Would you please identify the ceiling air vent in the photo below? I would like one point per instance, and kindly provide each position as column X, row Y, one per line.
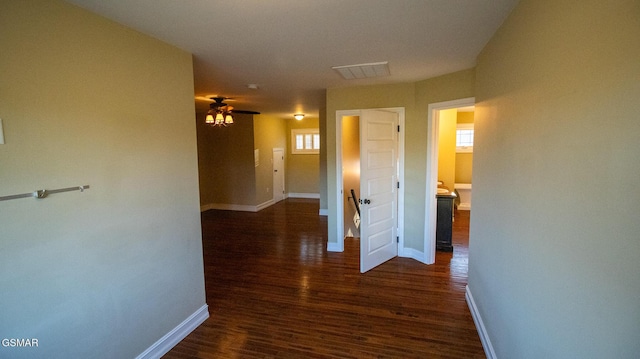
column 361, row 71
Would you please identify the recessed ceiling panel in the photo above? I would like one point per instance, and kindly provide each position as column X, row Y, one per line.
column 361, row 71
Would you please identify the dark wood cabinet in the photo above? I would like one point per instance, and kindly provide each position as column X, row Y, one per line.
column 444, row 222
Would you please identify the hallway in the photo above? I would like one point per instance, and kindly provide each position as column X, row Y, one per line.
column 275, row 292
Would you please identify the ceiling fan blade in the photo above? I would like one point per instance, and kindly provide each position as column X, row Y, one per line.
column 246, row 112
column 220, row 105
column 218, row 101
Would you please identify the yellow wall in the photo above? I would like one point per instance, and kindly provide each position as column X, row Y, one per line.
column 554, row 244
column 350, row 170
column 464, row 167
column 226, row 163
column 453, row 167
column 464, row 161
column 270, row 133
column 85, row 101
column 447, row 147
column 322, row 172
column 228, row 175
column 465, row 117
column 303, row 171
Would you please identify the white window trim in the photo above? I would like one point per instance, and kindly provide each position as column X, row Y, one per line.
column 464, row 126
column 303, row 131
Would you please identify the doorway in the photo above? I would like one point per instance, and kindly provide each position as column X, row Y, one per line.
column 433, row 125
column 381, row 195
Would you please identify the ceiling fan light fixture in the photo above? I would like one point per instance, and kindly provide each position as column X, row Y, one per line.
column 219, row 119
column 219, row 113
column 298, row 116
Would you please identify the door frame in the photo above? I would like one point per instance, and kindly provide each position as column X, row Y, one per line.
column 339, row 230
column 433, row 120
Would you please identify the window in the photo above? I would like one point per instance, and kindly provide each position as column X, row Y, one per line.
column 464, row 137
column 305, row 141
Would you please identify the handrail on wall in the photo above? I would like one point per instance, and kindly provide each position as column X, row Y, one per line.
column 355, row 201
column 42, row 193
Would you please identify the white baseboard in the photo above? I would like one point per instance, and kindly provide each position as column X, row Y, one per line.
column 464, row 207
column 229, row 207
column 261, row 206
column 304, row 195
column 334, row 247
column 237, row 207
column 482, row 331
column 171, row 339
column 264, row 205
column 206, row 207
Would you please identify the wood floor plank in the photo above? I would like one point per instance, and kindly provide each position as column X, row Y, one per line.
column 275, row 292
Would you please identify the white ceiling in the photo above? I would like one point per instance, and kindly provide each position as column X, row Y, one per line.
column 287, row 47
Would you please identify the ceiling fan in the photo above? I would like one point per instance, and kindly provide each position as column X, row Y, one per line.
column 219, row 105
column 221, row 114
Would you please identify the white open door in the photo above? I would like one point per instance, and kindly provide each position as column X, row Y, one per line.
column 378, row 187
column 278, row 174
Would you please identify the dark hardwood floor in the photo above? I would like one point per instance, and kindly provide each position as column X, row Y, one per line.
column 274, row 291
